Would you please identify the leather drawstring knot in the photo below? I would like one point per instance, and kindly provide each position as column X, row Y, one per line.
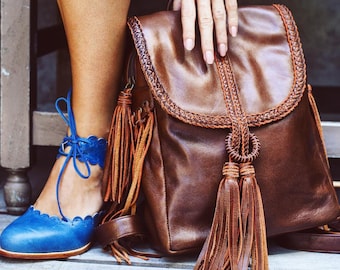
column 238, row 235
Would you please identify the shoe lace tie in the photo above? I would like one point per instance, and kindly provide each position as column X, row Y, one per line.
column 89, row 151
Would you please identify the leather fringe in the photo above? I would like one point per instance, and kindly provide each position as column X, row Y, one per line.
column 143, row 134
column 120, row 149
column 222, row 248
column 238, row 236
column 129, row 140
column 254, row 228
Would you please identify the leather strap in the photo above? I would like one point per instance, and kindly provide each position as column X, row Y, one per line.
column 326, row 239
column 119, row 228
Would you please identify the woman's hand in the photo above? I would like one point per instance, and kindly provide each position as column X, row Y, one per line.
column 212, row 18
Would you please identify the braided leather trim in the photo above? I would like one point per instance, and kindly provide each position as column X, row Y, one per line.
column 299, row 68
column 160, row 94
column 230, row 91
column 224, row 121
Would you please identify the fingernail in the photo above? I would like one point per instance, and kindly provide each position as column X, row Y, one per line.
column 233, row 31
column 222, row 49
column 209, row 57
column 189, row 44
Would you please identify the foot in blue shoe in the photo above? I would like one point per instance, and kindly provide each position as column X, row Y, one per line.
column 40, row 236
column 71, row 197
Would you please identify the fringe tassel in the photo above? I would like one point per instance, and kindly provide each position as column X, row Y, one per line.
column 223, row 245
column 129, row 140
column 238, row 235
column 121, row 147
column 143, row 130
column 253, row 220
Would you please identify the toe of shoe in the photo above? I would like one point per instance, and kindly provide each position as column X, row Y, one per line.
column 38, row 233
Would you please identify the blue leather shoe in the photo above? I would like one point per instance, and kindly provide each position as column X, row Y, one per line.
column 35, row 235
column 40, row 236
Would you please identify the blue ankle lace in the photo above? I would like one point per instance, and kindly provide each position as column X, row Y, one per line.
column 90, row 151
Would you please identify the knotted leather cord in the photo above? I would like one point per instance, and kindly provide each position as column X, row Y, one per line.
column 243, row 147
column 238, row 146
column 75, row 150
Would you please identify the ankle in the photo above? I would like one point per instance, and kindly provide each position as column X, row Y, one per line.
column 77, row 197
column 79, row 155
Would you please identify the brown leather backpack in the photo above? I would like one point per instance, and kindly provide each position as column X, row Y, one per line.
column 181, row 126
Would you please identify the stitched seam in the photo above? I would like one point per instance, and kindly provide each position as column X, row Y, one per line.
column 224, row 121
column 158, row 91
column 299, row 67
column 220, row 121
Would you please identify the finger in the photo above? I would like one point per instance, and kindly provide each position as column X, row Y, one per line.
column 176, row 5
column 232, row 16
column 220, row 21
column 188, row 16
column 205, row 23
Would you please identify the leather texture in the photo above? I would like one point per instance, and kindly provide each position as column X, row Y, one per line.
column 260, row 55
column 93, row 149
column 37, row 235
column 181, row 126
column 183, row 166
column 321, row 239
column 119, row 228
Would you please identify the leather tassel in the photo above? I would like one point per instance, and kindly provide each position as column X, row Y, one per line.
column 120, row 149
column 238, row 233
column 224, row 244
column 253, row 221
column 143, row 132
column 129, row 141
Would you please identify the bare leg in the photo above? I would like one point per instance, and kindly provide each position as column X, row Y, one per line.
column 96, row 32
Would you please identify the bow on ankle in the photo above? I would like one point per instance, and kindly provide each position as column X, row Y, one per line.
column 90, row 151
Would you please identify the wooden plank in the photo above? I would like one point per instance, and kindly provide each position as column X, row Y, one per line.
column 331, row 133
column 48, row 128
column 15, row 84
